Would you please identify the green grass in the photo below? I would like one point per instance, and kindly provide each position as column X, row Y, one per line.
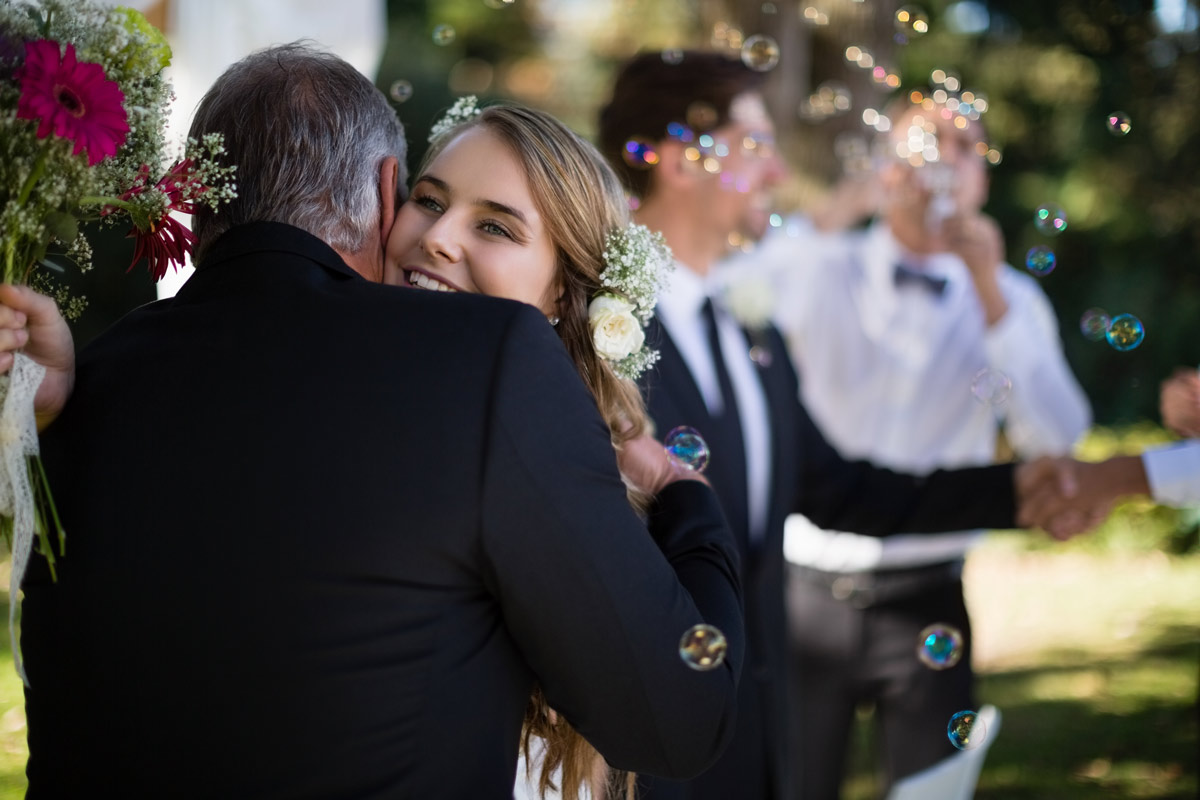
column 1093, row 660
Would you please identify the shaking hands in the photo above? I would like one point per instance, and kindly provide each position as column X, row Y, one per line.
column 1066, row 497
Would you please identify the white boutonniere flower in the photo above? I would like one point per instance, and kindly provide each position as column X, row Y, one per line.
column 616, row 332
column 751, row 301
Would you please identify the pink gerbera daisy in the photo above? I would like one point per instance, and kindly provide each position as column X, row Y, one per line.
column 74, row 100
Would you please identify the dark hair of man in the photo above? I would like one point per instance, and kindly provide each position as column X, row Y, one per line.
column 651, row 92
column 308, row 134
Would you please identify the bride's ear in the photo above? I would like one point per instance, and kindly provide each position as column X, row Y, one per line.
column 389, row 177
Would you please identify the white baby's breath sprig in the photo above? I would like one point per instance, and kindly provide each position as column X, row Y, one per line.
column 636, row 264
column 464, row 109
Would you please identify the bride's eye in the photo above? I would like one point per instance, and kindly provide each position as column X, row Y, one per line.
column 496, row 229
column 427, row 202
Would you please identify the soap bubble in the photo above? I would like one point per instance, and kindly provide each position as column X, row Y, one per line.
column 1050, row 219
column 991, row 386
column 702, row 647
column 1040, row 260
column 1094, row 323
column 639, row 153
column 401, row 90
column 672, row 57
column 912, row 21
column 760, row 52
column 940, row 646
column 687, row 447
column 966, row 731
column 1125, row 332
column 1118, row 123
column 443, row 35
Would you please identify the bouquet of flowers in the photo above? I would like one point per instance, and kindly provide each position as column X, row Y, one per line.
column 83, row 106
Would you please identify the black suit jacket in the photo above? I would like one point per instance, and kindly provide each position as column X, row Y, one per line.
column 810, row 477
column 325, row 534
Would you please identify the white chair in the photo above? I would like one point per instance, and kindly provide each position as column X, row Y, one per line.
column 952, row 778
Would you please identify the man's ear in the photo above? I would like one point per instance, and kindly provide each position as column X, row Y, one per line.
column 389, row 175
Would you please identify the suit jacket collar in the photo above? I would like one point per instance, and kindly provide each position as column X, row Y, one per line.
column 278, row 237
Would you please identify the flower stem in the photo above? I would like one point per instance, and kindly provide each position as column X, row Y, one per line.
column 49, row 500
column 35, row 174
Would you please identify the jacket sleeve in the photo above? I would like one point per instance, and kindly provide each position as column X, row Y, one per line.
column 597, row 600
column 859, row 497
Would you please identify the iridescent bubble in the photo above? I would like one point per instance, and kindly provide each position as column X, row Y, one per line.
column 760, row 52
column 686, row 447
column 966, row 731
column 940, row 646
column 991, row 386
column 498, row 3
column 672, row 57
column 1125, row 332
column 1094, row 323
column 401, row 90
column 443, row 35
column 702, row 647
column 1118, row 123
column 1040, row 260
column 701, row 116
column 681, row 132
column 640, row 153
column 1050, row 219
column 912, row 21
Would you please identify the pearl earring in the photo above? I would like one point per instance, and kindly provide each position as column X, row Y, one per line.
column 553, row 320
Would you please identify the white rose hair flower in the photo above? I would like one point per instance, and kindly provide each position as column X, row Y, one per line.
column 636, row 263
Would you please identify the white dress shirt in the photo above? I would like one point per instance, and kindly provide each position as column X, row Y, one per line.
column 886, row 372
column 679, row 312
column 1173, row 472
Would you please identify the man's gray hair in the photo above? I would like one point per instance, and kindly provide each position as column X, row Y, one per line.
column 308, row 133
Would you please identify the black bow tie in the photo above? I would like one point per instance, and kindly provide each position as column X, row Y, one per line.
column 915, row 277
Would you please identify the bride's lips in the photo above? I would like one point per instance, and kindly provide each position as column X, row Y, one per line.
column 421, row 279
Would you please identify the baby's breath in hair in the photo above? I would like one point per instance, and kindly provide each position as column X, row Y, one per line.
column 464, row 109
column 636, row 263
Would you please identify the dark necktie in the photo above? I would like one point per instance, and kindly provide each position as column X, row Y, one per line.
column 905, row 275
column 725, row 441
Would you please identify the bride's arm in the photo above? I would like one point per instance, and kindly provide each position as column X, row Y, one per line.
column 30, row 322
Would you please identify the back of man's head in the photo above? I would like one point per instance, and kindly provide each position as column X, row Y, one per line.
column 654, row 89
column 308, row 133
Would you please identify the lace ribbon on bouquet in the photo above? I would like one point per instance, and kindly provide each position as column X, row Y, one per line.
column 18, row 441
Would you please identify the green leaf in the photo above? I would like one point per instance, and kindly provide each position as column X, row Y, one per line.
column 62, row 226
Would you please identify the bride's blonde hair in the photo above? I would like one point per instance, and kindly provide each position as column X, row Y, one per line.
column 581, row 201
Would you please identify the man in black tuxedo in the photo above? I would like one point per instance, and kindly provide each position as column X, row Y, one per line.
column 704, row 116
column 325, row 534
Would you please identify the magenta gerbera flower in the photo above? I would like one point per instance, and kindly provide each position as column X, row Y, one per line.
column 74, row 100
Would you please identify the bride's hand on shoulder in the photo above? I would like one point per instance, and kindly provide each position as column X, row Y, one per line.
column 644, row 462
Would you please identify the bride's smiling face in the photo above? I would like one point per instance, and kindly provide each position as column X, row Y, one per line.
column 471, row 225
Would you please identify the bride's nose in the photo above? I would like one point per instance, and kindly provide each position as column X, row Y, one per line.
column 441, row 240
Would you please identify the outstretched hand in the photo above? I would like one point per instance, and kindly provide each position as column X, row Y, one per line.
column 1065, row 497
column 1179, row 402
column 31, row 322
